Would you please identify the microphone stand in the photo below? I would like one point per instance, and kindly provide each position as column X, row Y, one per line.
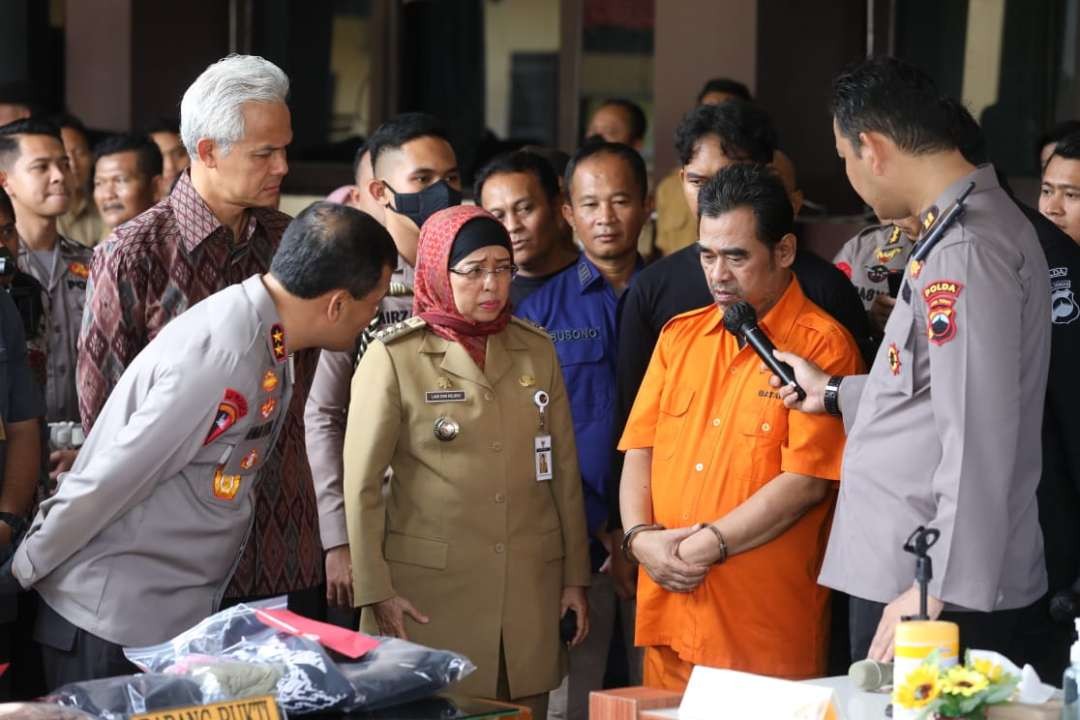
column 919, row 544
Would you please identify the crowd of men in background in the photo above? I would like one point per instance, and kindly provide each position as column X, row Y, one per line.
column 106, row 245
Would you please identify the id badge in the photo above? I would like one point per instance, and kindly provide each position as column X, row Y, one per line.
column 542, row 444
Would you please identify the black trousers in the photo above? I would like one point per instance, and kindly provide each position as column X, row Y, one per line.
column 998, row 630
column 70, row 654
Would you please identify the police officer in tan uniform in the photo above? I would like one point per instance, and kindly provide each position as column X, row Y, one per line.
column 141, row 539
column 479, row 543
column 944, row 432
column 871, row 256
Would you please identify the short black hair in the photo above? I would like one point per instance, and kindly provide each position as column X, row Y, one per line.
column 10, row 133
column 745, row 130
column 148, row 157
column 1068, row 147
column 896, row 99
column 966, row 133
column 724, row 85
column 754, row 186
column 402, row 128
column 555, row 157
column 593, row 148
column 165, row 123
column 67, row 120
column 332, row 247
column 362, row 150
column 519, row 161
column 5, row 204
column 638, row 123
column 1056, row 134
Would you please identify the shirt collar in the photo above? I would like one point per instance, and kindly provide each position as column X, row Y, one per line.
column 269, row 320
column 781, row 317
column 589, row 276
column 984, row 177
column 194, row 218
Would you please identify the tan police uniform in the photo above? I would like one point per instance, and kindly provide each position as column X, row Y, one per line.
column 140, row 540
column 327, row 408
column 465, row 531
column 869, row 257
column 64, row 281
column 945, row 430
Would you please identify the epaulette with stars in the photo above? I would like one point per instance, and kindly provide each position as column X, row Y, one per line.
column 531, row 326
column 400, row 330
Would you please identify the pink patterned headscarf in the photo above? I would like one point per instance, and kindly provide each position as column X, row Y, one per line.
column 433, row 299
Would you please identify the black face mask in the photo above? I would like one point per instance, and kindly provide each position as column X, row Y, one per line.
column 419, row 206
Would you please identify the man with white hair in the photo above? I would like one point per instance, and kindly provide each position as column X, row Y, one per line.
column 217, row 227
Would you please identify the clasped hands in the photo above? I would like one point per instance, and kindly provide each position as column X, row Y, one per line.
column 678, row 559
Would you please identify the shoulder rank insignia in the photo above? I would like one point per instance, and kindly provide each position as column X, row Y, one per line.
column 941, row 297
column 277, row 342
column 400, row 329
column 530, row 326
column 230, row 409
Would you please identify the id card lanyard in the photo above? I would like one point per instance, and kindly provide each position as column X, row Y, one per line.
column 542, row 442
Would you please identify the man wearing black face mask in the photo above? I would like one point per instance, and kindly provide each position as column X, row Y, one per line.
column 415, row 176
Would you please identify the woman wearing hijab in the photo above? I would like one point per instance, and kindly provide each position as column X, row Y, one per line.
column 478, row 544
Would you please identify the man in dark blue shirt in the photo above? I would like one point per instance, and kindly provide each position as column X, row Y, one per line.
column 606, row 190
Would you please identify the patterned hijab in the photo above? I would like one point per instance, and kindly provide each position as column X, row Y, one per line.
column 433, row 299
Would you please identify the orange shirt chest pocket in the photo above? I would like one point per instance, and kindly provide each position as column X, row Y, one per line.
column 675, row 401
column 761, row 426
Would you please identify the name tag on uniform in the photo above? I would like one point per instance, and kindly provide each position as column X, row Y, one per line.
column 444, row 396
column 543, row 457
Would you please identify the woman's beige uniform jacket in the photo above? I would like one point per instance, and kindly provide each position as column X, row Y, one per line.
column 465, row 531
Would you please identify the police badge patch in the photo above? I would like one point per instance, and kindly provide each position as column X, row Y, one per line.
column 941, row 297
column 894, row 359
column 1063, row 307
column 230, row 409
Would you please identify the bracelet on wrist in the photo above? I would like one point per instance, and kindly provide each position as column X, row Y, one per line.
column 628, row 537
column 719, row 540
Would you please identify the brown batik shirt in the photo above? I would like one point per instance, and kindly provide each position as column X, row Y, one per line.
column 146, row 273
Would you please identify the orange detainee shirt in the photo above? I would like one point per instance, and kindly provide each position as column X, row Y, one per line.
column 718, row 433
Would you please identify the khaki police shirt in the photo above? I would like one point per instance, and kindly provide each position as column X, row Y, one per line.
column 945, row 430
column 140, row 540
column 64, row 281
column 869, row 257
column 327, row 409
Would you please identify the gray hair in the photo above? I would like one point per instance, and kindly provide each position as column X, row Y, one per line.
column 211, row 107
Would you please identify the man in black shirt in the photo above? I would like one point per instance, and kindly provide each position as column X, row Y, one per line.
column 709, row 138
column 522, row 191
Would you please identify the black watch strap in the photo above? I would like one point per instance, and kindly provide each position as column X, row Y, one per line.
column 831, row 398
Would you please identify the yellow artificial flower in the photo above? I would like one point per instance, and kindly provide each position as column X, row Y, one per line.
column 960, row 680
column 992, row 672
column 919, row 688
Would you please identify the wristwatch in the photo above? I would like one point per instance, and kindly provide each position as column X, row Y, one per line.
column 16, row 523
column 831, row 399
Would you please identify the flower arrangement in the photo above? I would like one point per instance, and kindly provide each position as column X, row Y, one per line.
column 961, row 691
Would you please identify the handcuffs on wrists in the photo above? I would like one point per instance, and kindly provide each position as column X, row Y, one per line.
column 629, row 535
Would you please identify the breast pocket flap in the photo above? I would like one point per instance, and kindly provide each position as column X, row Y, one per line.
column 416, row 551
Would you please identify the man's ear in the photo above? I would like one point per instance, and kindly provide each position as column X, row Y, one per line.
column 785, row 250
column 877, row 150
column 208, row 152
column 378, row 190
column 157, row 188
column 335, row 305
column 4, row 182
column 568, row 213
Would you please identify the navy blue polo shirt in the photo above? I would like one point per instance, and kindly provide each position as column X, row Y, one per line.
column 578, row 309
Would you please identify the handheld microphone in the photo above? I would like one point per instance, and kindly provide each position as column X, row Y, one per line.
column 740, row 320
column 870, row 675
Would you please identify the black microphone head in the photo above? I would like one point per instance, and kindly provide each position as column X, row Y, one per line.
column 738, row 316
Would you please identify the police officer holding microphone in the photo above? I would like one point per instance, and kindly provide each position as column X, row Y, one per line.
column 141, row 539
column 944, row 432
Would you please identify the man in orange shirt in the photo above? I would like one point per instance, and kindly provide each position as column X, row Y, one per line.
column 718, row 472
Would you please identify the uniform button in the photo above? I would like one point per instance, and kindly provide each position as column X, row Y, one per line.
column 499, row 547
column 499, row 497
column 716, row 422
column 496, row 446
column 766, row 427
column 488, row 396
column 699, row 467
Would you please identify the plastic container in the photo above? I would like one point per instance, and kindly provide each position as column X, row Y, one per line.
column 915, row 640
column 1070, row 708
